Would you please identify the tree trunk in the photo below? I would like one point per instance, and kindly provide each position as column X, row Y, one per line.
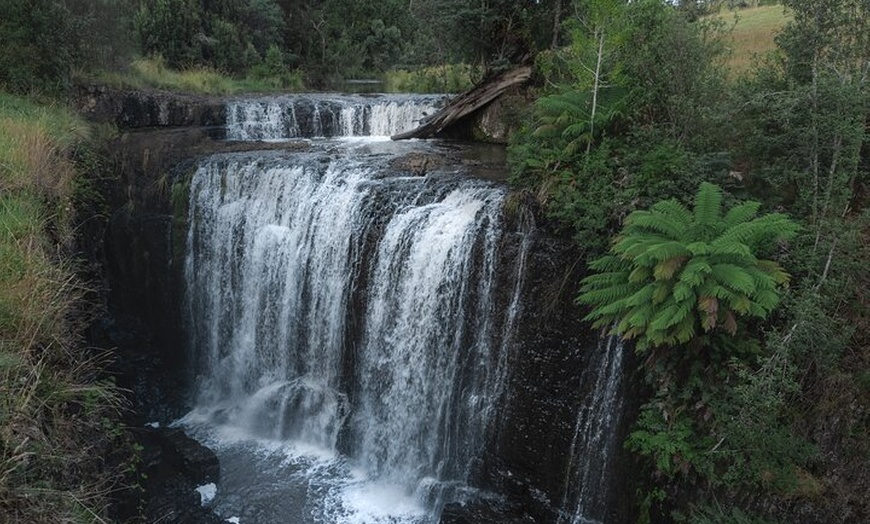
column 596, row 86
column 467, row 103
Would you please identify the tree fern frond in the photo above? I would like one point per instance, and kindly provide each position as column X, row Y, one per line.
column 699, row 248
column 657, row 222
column 741, row 213
column 740, row 303
column 602, row 280
column 729, row 323
column 683, row 291
column 667, row 317
column 662, row 251
column 776, row 272
column 733, row 277
column 775, row 226
column 695, row 271
column 633, row 246
column 640, row 316
column 610, row 263
column 731, row 248
column 685, row 330
column 661, row 291
column 675, row 211
column 665, row 269
column 708, row 307
column 767, row 299
column 642, row 296
column 576, row 129
column 708, row 204
column 607, row 295
column 639, row 275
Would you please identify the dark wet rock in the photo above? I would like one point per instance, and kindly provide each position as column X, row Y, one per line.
column 418, row 164
column 174, row 465
column 130, row 108
column 483, row 511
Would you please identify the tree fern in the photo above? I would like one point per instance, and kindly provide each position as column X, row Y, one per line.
column 673, row 273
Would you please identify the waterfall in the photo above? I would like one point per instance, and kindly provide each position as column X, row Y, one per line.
column 341, row 309
column 323, row 115
column 595, row 435
column 353, row 329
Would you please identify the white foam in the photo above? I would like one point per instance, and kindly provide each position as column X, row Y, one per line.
column 207, row 493
column 234, row 520
column 374, row 501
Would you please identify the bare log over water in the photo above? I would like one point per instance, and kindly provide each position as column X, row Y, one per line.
column 468, row 102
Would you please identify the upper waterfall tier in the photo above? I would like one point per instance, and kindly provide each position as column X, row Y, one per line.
column 327, row 115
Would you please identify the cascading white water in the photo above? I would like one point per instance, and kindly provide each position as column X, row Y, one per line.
column 320, row 115
column 340, row 310
column 595, row 435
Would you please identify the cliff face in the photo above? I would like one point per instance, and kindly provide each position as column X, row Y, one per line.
column 131, row 109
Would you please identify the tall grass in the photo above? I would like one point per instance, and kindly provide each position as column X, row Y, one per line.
column 152, row 72
column 54, row 433
column 447, row 78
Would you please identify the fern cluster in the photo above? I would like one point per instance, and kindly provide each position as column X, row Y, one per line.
column 673, row 271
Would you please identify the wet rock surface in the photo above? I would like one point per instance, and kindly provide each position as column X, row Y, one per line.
column 133, row 108
column 174, row 465
column 484, row 512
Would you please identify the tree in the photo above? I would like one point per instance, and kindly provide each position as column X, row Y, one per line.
column 169, row 28
column 673, row 272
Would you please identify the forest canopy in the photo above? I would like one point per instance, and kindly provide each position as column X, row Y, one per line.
column 44, row 42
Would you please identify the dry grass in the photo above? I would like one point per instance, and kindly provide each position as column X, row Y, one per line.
column 53, row 409
column 152, row 72
column 753, row 34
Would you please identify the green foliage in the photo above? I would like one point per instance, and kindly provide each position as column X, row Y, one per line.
column 672, row 444
column 448, row 78
column 38, row 45
column 673, row 272
column 717, row 514
column 228, row 36
column 169, row 28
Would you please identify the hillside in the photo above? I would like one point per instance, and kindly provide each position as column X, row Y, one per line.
column 752, row 33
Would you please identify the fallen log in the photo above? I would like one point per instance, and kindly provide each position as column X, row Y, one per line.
column 467, row 103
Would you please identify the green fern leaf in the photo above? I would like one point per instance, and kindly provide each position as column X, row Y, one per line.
column 657, row 222
column 660, row 252
column 708, row 204
column 733, row 277
column 699, row 248
column 741, row 213
column 665, row 269
column 674, row 211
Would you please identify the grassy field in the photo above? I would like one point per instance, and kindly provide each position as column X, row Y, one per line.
column 753, row 34
column 55, row 415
